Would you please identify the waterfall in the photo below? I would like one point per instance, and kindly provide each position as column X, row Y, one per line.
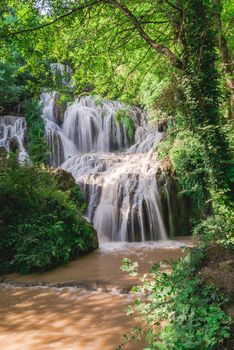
column 60, row 146
column 13, row 135
column 92, row 127
column 116, row 173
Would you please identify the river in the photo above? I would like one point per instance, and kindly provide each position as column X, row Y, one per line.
column 80, row 306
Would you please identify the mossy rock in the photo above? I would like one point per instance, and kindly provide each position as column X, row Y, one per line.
column 65, row 180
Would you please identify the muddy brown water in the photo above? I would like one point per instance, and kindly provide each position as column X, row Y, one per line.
column 81, row 306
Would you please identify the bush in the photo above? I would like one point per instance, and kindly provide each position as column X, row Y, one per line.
column 218, row 228
column 188, row 158
column 10, row 91
column 37, row 146
column 180, row 310
column 41, row 226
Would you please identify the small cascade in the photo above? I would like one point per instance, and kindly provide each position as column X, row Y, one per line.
column 92, row 127
column 117, row 175
column 122, row 194
column 145, row 139
column 60, row 146
column 13, row 135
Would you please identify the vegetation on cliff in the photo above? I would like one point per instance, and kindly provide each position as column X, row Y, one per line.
column 36, row 144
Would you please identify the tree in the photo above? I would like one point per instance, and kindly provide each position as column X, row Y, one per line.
column 112, row 37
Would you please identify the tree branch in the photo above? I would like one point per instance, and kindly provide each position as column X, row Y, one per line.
column 136, row 23
column 177, row 8
column 81, row 7
column 159, row 48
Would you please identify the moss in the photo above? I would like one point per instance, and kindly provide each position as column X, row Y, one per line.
column 122, row 116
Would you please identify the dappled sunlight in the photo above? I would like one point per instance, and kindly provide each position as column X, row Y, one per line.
column 63, row 316
column 37, row 318
column 100, row 270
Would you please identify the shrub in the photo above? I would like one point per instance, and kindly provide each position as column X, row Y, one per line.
column 41, row 226
column 37, row 146
column 180, row 310
column 10, row 91
column 188, row 158
column 218, row 228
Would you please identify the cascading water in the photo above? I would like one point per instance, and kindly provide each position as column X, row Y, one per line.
column 117, row 174
column 60, row 147
column 13, row 135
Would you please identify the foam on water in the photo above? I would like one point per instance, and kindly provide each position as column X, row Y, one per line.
column 134, row 247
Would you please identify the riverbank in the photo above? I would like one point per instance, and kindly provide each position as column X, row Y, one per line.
column 100, row 270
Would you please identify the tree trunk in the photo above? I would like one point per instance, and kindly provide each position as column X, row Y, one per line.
column 226, row 59
column 201, row 86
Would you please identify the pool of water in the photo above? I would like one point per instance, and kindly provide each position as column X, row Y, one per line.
column 80, row 306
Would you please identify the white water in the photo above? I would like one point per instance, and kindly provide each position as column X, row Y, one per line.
column 12, row 135
column 139, row 247
column 118, row 175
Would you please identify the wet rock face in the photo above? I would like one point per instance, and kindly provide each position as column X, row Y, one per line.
column 58, row 109
column 176, row 208
column 57, row 114
column 56, row 156
column 162, row 126
column 14, row 144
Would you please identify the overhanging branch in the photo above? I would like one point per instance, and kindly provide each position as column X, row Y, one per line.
column 157, row 47
column 57, row 19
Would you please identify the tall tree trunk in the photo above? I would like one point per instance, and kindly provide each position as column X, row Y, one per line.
column 201, row 85
column 226, row 59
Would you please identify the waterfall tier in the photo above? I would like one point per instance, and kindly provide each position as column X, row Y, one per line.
column 116, row 173
column 13, row 135
column 122, row 194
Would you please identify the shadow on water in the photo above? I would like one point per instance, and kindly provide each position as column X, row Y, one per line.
column 45, row 318
column 101, row 267
column 68, row 318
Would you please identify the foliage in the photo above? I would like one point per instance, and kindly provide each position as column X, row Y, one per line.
column 180, row 310
column 122, row 116
column 62, row 102
column 41, row 226
column 64, row 99
column 228, row 130
column 37, row 146
column 218, row 228
column 10, row 91
column 202, row 91
column 98, row 100
column 77, row 196
column 188, row 158
column 97, row 48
